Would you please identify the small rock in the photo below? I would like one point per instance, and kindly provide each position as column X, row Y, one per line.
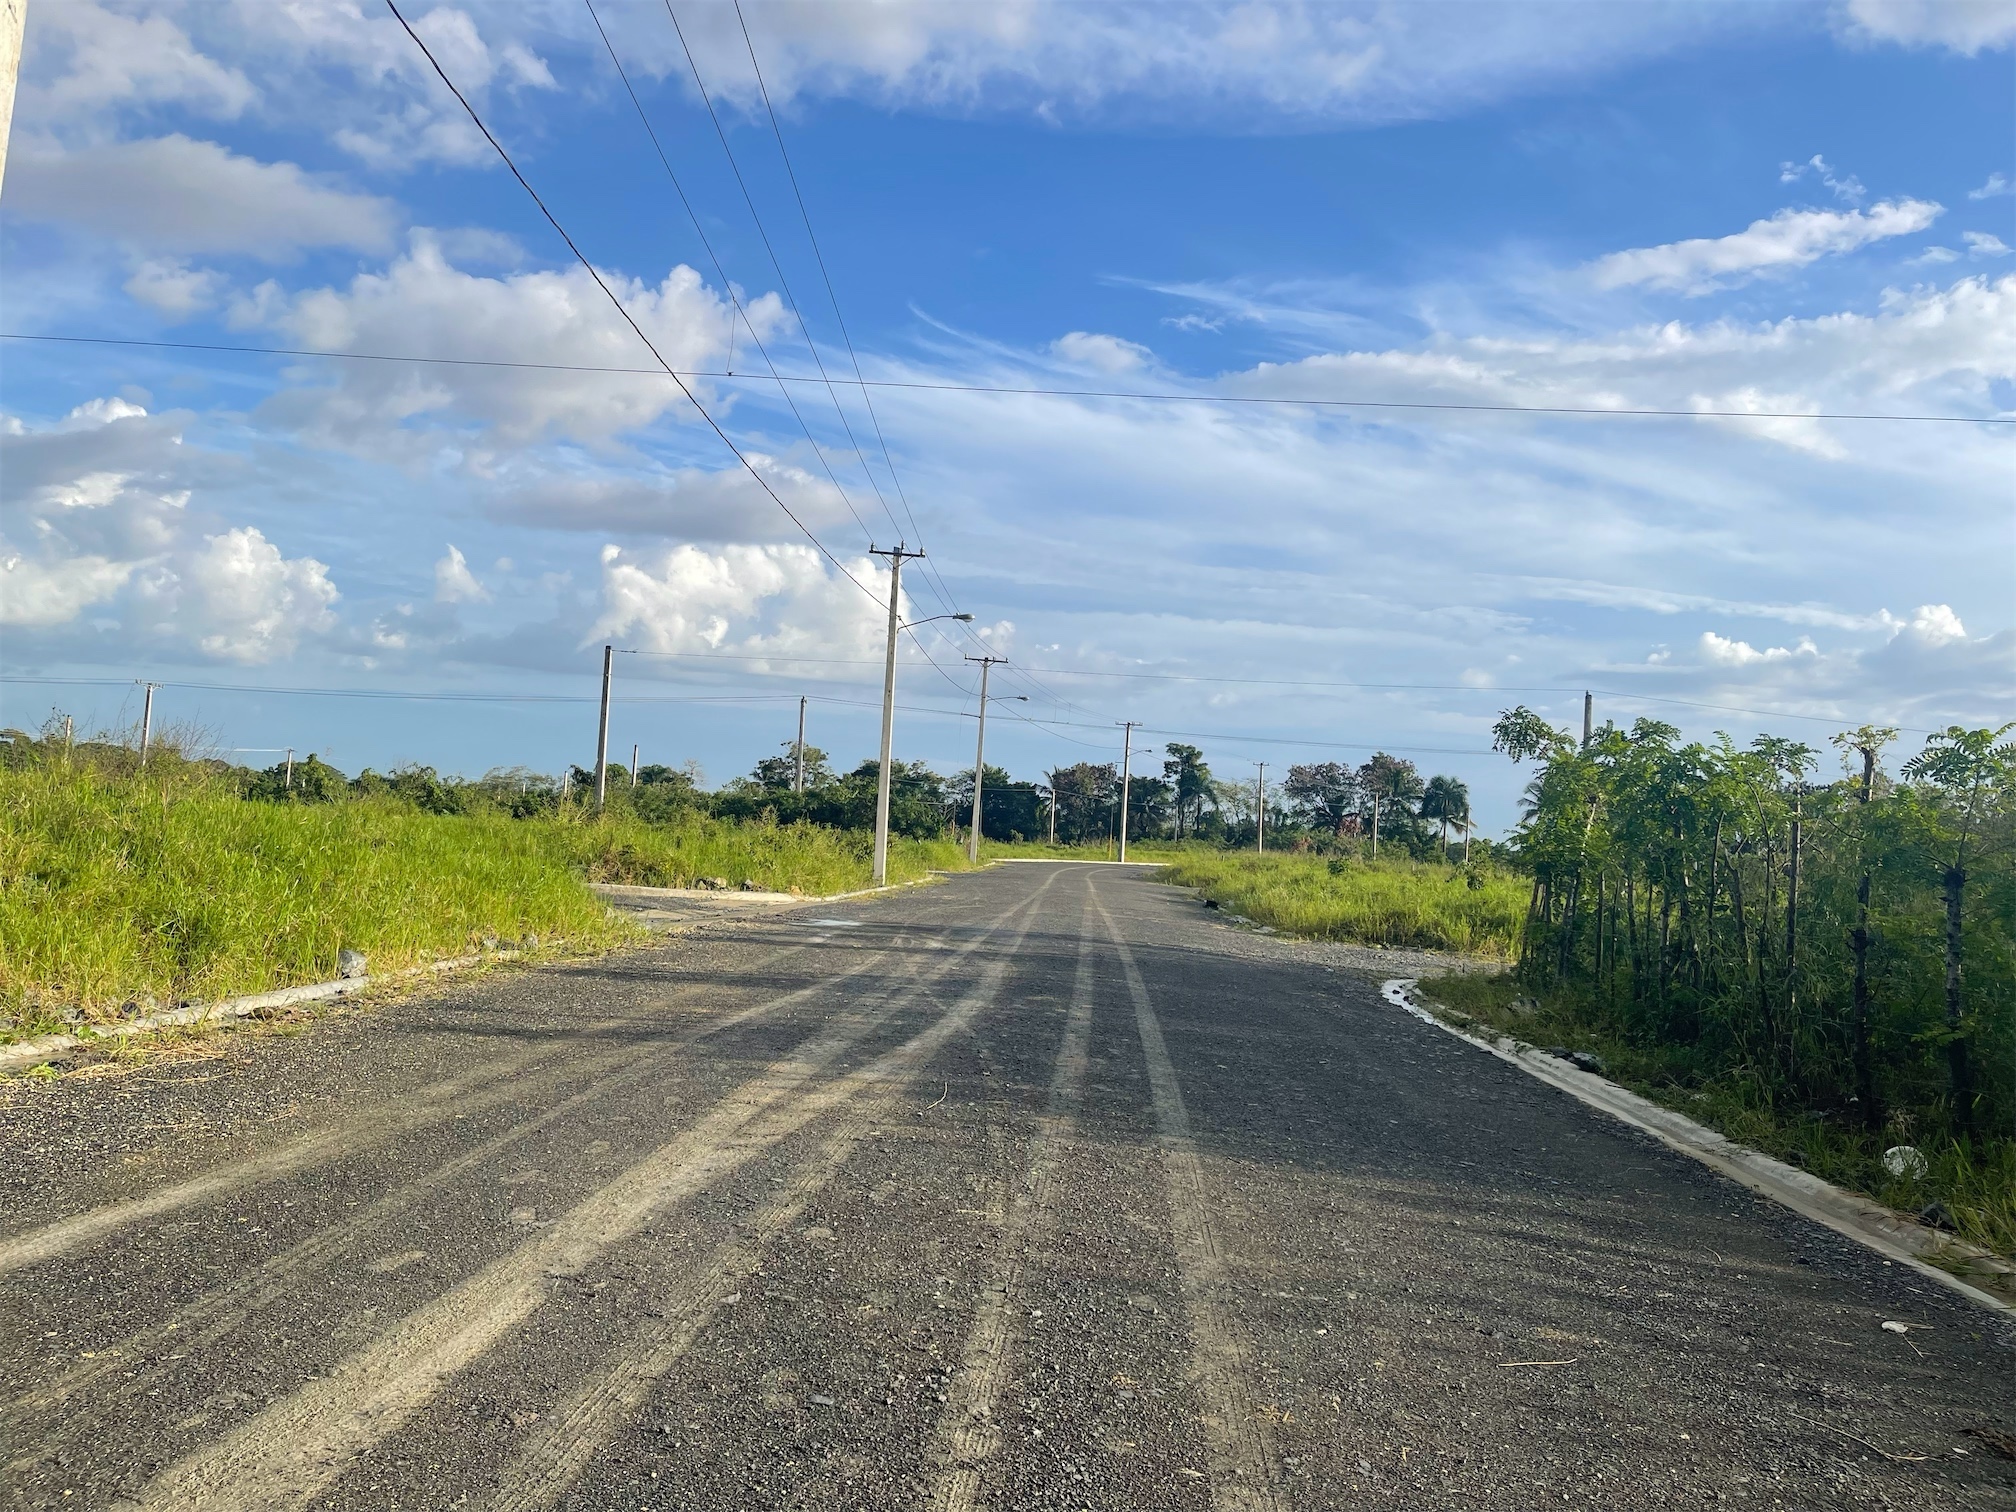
column 1905, row 1161
column 1210, row 902
column 489, row 942
column 1587, row 1061
column 748, row 886
column 1896, row 1328
column 1937, row 1215
column 351, row 964
column 530, row 942
column 823, row 1401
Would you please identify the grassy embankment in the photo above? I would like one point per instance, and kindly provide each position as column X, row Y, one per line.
column 1394, row 903
column 116, row 889
column 1977, row 1183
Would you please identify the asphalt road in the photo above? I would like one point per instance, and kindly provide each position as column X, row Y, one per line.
column 1042, row 1188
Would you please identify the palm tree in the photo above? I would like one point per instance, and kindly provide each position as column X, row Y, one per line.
column 1447, row 801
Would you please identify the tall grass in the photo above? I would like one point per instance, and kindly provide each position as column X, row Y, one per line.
column 1407, row 903
column 117, row 887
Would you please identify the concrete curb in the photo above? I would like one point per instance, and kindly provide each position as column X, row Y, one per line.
column 1892, row 1236
column 36, row 1051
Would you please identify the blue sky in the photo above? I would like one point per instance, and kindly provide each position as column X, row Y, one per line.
column 1799, row 208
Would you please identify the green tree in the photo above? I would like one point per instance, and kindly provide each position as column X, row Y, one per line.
column 1190, row 785
column 1969, row 775
column 1447, row 801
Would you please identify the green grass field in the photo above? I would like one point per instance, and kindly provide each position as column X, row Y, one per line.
column 1412, row 903
column 118, row 889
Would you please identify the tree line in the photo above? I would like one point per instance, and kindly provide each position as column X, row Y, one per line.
column 1845, row 944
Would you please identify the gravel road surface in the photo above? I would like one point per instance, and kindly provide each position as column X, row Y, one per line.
column 1043, row 1188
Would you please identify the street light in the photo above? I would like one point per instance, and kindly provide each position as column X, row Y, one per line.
column 896, row 559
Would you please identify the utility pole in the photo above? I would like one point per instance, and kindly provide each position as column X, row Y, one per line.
column 69, row 734
column 798, row 780
column 287, row 785
column 1126, row 781
column 1260, row 811
column 1053, row 808
column 602, row 730
column 1588, row 718
column 146, row 722
column 634, row 753
column 1375, row 826
column 987, row 664
column 897, row 557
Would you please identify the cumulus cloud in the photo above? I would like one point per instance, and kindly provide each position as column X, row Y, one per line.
column 755, row 600
column 91, row 525
column 1724, row 652
column 178, row 196
column 1964, row 26
column 1789, row 239
column 454, row 583
column 174, row 288
column 423, row 303
column 1102, row 354
column 83, row 58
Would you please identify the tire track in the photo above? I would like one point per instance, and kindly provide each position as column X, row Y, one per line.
column 1246, row 1475
column 968, row 1434
column 226, row 1307
column 286, row 1454
column 564, row 1444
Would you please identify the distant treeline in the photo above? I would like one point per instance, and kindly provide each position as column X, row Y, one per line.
column 1847, row 946
column 1324, row 806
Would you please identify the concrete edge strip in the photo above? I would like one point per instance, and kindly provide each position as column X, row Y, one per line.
column 1858, row 1218
column 34, row 1052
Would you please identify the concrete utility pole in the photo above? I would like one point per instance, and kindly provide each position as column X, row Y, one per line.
column 1588, row 718
column 798, row 781
column 1375, row 826
column 287, row 785
column 634, row 753
column 602, row 730
column 1126, row 780
column 13, row 20
column 1260, row 811
column 897, row 557
column 987, row 664
column 1053, row 808
column 146, row 722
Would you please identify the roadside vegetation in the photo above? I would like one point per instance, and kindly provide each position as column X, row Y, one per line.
column 1423, row 904
column 1825, row 970
column 123, row 889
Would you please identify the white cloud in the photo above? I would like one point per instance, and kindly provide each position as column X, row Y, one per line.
column 1735, row 653
column 1936, row 625
column 178, row 196
column 754, row 600
column 91, row 524
column 1103, row 354
column 1932, row 257
column 174, row 288
column 1982, row 244
column 1789, row 239
column 686, row 504
column 454, row 583
column 1998, row 184
column 1964, row 26
column 239, row 598
column 1846, row 187
column 83, row 58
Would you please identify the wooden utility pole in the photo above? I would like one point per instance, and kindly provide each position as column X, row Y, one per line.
column 602, row 730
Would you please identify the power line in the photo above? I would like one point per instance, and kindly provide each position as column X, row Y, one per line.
column 582, row 258
column 803, row 325
column 727, row 287
column 1591, row 411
